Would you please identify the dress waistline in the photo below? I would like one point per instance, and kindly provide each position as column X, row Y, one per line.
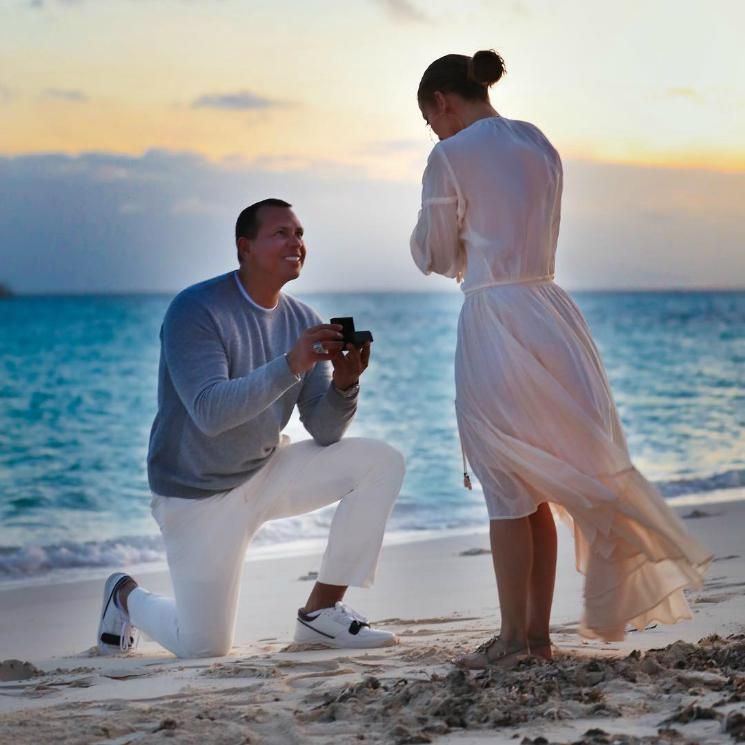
column 508, row 282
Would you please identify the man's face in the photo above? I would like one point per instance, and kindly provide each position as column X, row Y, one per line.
column 278, row 249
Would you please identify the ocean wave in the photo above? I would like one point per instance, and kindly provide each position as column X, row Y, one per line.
column 26, row 561
column 733, row 479
column 20, row 562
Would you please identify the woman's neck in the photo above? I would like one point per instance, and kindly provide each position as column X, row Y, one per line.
column 471, row 113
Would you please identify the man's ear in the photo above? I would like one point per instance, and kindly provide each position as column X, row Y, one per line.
column 244, row 246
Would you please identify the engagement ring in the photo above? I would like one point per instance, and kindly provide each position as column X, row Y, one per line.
column 318, row 348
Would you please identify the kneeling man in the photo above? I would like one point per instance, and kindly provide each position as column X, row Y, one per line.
column 237, row 355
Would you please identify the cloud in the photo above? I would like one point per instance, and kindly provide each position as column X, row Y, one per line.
column 321, row 168
column 520, row 9
column 403, row 10
column 239, row 101
column 628, row 226
column 387, row 147
column 66, row 95
column 396, row 156
column 161, row 221
column 689, row 93
column 40, row 4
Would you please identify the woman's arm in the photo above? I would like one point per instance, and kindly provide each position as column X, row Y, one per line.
column 435, row 243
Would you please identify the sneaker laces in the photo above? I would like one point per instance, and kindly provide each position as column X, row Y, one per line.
column 349, row 612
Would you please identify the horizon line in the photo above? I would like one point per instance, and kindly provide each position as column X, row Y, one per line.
column 375, row 291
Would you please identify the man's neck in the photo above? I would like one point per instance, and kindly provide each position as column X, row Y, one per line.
column 261, row 290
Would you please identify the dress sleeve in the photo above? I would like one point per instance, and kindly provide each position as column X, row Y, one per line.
column 436, row 245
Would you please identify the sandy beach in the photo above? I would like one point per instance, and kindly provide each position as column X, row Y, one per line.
column 684, row 683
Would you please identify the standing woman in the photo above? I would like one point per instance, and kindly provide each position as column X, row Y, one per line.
column 535, row 413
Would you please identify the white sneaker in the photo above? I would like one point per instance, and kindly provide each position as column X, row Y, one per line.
column 340, row 627
column 115, row 633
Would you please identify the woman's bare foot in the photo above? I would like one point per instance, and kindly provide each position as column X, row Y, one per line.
column 541, row 648
column 492, row 653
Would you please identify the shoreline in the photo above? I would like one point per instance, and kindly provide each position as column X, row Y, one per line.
column 266, row 552
column 310, row 547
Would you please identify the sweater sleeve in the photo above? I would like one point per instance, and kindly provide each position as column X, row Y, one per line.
column 198, row 365
column 435, row 242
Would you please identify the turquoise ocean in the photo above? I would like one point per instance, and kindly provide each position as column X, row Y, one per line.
column 77, row 398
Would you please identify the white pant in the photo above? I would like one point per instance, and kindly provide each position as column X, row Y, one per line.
column 206, row 539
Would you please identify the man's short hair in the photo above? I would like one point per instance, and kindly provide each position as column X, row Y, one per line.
column 247, row 225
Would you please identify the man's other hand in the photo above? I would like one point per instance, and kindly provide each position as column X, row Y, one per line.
column 348, row 367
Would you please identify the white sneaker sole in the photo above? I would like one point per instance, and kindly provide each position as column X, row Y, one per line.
column 308, row 635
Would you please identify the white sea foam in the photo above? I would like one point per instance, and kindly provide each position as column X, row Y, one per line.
column 303, row 534
column 733, row 479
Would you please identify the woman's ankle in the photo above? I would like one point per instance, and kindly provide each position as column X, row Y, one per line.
column 539, row 634
column 513, row 643
column 541, row 647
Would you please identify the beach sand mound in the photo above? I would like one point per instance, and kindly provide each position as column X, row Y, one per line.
column 570, row 688
column 17, row 670
column 678, row 694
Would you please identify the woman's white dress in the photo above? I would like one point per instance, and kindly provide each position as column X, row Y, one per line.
column 535, row 412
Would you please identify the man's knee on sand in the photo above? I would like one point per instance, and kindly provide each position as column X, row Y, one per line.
column 205, row 642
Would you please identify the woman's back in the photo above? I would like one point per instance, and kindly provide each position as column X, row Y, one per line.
column 509, row 179
column 535, row 412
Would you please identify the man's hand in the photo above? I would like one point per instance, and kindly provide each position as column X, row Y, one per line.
column 302, row 356
column 348, row 367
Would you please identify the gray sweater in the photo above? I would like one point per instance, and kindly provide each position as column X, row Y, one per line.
column 225, row 391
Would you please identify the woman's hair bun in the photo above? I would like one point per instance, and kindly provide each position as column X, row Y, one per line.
column 486, row 67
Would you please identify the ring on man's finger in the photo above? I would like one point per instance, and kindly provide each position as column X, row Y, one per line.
column 318, row 348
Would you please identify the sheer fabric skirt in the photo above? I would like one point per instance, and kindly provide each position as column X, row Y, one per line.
column 538, row 424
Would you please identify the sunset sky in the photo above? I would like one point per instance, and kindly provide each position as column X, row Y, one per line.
column 130, row 127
